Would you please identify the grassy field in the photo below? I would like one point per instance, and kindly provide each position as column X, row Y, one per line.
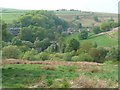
column 101, row 40
column 60, row 76
column 10, row 17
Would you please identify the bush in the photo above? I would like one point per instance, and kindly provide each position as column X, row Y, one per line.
column 30, row 55
column 113, row 54
column 75, row 58
column 96, row 29
column 42, row 56
column 98, row 54
column 24, row 48
column 73, row 44
column 28, row 43
column 57, row 56
column 11, row 52
column 86, row 46
column 67, row 56
column 83, row 35
column 85, row 57
column 4, row 44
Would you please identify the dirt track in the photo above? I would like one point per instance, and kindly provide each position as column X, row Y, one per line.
column 66, row 63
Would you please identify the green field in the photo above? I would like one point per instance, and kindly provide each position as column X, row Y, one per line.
column 25, row 75
column 102, row 40
column 10, row 17
column 28, row 75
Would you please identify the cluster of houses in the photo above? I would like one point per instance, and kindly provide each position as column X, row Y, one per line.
column 15, row 30
column 70, row 31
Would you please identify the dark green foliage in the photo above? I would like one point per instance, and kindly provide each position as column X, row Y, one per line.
column 26, row 34
column 83, row 35
column 51, row 48
column 96, row 29
column 45, row 43
column 39, row 32
column 43, row 19
column 16, row 41
column 6, row 35
column 73, row 44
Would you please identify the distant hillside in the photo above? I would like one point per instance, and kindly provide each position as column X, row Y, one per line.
column 74, row 17
column 11, row 10
column 84, row 17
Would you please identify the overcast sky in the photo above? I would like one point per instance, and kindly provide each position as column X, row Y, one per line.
column 84, row 5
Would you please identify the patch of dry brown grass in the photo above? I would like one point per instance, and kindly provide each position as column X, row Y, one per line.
column 86, row 82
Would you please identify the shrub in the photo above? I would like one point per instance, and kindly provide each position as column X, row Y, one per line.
column 96, row 29
column 113, row 54
column 98, row 54
column 67, row 56
column 86, row 46
column 83, row 35
column 42, row 56
column 28, row 43
column 75, row 58
column 4, row 44
column 85, row 57
column 57, row 56
column 24, row 48
column 11, row 52
column 73, row 44
column 30, row 55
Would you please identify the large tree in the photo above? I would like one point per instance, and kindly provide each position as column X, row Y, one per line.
column 73, row 44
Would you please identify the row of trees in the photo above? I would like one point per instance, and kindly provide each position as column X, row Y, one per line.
column 83, row 52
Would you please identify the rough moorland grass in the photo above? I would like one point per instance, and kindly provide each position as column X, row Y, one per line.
column 16, row 76
column 106, row 74
column 27, row 75
column 102, row 40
